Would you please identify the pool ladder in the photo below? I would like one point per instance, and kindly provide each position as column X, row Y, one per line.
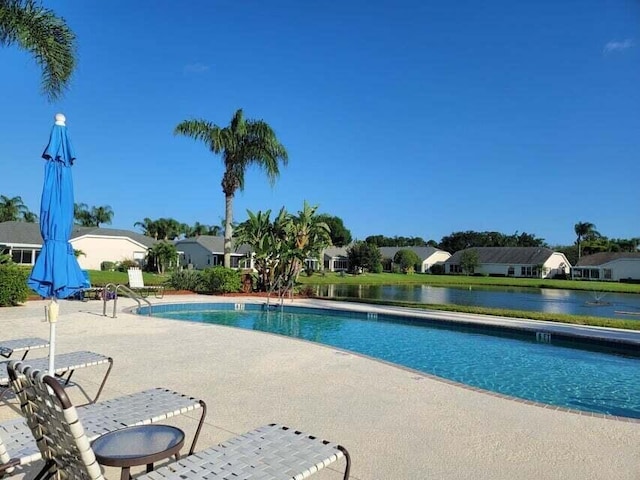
column 114, row 289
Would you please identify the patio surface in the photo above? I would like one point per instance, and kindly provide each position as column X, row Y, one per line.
column 396, row 423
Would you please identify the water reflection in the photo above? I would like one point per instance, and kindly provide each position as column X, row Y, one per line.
column 546, row 300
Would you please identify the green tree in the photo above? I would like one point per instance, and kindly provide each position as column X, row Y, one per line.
column 44, row 35
column 149, row 227
column 242, row 143
column 258, row 232
column 407, row 260
column 161, row 228
column 340, row 235
column 469, row 261
column 102, row 214
column 163, row 255
column 82, row 214
column 582, row 230
column 309, row 236
column 13, row 209
column 280, row 247
column 364, row 256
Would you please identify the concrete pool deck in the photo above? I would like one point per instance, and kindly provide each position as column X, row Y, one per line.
column 395, row 422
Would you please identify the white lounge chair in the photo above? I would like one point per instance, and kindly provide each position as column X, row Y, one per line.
column 136, row 283
column 270, row 452
column 65, row 365
column 9, row 347
column 18, row 446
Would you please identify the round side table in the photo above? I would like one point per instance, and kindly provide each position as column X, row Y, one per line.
column 133, row 446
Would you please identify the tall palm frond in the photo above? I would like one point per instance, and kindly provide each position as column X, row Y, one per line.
column 242, row 143
column 44, row 35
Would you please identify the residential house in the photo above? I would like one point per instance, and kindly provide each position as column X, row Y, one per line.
column 207, row 251
column 23, row 242
column 615, row 266
column 428, row 256
column 335, row 259
column 537, row 262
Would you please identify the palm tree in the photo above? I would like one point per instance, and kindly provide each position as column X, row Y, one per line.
column 149, row 227
column 82, row 214
column 103, row 214
column 46, row 36
column 242, row 143
column 583, row 229
column 12, row 209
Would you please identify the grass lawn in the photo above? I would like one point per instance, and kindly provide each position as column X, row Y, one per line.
column 100, row 278
column 463, row 280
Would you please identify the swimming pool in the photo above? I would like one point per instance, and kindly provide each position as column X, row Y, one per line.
column 508, row 362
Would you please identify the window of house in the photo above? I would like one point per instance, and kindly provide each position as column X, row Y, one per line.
column 340, row 264
column 511, row 271
column 528, row 271
column 19, row 255
column 607, row 274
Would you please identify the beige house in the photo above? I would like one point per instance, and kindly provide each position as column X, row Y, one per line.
column 539, row 262
column 614, row 266
column 23, row 242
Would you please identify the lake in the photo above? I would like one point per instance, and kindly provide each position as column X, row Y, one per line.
column 573, row 302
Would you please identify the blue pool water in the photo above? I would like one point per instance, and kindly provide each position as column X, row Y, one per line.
column 510, row 363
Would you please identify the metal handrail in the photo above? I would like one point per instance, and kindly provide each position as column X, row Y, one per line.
column 127, row 291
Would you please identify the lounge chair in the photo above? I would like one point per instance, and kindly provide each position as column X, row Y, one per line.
column 65, row 365
column 18, row 446
column 136, row 283
column 88, row 292
column 9, row 347
column 270, row 452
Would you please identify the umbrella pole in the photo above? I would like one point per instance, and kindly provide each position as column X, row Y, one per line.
column 52, row 317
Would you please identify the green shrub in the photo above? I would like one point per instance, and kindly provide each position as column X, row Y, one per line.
column 126, row 264
column 221, row 280
column 13, row 285
column 186, row 280
column 107, row 266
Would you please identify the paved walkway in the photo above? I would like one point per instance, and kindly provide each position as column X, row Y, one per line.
column 397, row 424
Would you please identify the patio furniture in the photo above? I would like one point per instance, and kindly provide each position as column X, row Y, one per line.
column 66, row 364
column 88, row 292
column 141, row 445
column 269, row 452
column 136, row 283
column 18, row 446
column 9, row 347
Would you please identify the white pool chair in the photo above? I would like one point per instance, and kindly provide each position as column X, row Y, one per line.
column 18, row 446
column 270, row 452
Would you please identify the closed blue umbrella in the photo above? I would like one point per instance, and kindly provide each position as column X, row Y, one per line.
column 56, row 273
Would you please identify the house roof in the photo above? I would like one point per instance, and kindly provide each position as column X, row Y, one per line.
column 214, row 244
column 507, row 255
column 29, row 233
column 605, row 257
column 333, row 252
column 422, row 252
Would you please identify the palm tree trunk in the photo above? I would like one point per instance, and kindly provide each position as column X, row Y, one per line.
column 228, row 231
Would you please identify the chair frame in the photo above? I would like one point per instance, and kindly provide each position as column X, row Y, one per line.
column 64, row 372
column 171, row 404
column 144, row 290
column 264, row 452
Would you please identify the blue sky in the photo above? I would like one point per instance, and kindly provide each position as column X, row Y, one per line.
column 409, row 118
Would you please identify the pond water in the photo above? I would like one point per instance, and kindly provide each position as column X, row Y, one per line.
column 574, row 302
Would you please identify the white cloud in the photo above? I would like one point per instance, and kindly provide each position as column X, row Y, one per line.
column 615, row 46
column 196, row 68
